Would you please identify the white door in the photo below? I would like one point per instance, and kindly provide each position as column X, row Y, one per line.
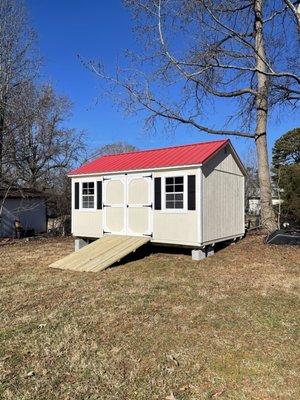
column 139, row 205
column 114, row 204
column 127, row 204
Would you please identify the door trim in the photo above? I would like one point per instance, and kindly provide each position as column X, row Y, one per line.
column 106, row 180
column 149, row 204
column 126, row 179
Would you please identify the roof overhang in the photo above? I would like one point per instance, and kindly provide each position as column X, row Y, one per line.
column 237, row 159
column 135, row 171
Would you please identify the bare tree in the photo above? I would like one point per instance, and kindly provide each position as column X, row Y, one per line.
column 198, row 52
column 18, row 60
column 114, row 148
column 36, row 149
column 41, row 146
column 59, row 203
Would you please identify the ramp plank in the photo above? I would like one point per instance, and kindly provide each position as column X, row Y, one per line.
column 101, row 253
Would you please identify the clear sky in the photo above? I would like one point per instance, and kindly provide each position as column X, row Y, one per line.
column 102, row 30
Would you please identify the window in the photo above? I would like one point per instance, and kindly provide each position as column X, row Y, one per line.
column 88, row 195
column 174, row 192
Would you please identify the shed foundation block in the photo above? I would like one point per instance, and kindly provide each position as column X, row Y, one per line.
column 198, row 254
column 80, row 243
column 210, row 251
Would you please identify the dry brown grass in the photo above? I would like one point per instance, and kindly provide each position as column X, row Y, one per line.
column 225, row 327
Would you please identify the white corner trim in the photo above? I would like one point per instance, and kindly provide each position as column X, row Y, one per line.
column 199, row 204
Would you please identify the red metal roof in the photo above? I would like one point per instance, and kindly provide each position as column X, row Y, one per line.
column 190, row 154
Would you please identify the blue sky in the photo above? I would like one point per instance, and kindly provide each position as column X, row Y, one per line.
column 102, row 30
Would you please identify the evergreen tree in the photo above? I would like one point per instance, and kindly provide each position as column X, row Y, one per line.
column 286, row 162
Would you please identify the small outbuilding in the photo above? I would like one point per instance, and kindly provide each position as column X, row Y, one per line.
column 254, row 203
column 22, row 212
column 191, row 195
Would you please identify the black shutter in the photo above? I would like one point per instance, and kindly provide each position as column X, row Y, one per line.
column 157, row 193
column 191, row 192
column 76, row 195
column 99, row 195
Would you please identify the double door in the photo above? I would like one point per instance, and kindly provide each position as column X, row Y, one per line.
column 127, row 204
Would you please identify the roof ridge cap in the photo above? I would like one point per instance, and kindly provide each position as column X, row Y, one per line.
column 161, row 148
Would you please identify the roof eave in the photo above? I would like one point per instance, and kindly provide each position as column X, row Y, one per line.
column 134, row 170
column 238, row 160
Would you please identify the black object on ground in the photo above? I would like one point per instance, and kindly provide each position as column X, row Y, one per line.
column 282, row 236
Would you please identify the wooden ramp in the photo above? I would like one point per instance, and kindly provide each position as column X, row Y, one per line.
column 101, row 253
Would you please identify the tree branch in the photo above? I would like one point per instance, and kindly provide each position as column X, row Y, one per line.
column 295, row 8
column 159, row 109
column 191, row 77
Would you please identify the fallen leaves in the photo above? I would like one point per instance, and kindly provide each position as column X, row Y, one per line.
column 218, row 393
column 173, row 359
column 171, row 397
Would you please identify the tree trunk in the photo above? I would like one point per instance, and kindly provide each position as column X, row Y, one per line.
column 267, row 211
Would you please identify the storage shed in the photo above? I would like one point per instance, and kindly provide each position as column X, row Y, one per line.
column 28, row 206
column 191, row 195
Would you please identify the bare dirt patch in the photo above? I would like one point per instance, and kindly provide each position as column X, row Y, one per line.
column 225, row 327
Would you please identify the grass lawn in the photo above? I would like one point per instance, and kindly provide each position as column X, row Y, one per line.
column 159, row 327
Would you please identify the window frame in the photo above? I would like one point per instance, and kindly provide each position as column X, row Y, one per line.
column 164, row 193
column 84, row 209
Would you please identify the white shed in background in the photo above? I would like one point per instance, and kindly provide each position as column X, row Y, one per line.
column 190, row 195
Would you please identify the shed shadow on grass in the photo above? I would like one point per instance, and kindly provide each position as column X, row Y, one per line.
column 172, row 250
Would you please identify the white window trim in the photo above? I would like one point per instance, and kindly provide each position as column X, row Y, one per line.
column 95, row 196
column 183, row 210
